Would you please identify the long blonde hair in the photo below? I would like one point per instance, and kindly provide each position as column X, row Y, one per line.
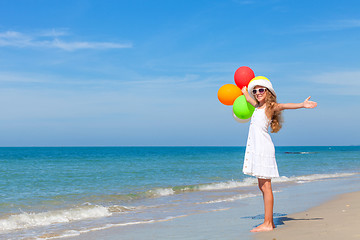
column 276, row 119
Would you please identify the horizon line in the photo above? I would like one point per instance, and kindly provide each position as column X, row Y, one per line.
column 89, row 146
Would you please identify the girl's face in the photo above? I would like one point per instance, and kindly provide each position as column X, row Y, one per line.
column 260, row 94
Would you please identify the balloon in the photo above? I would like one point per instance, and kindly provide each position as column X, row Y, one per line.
column 228, row 93
column 243, row 75
column 259, row 77
column 239, row 119
column 242, row 109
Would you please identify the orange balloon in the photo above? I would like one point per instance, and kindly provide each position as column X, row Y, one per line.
column 228, row 93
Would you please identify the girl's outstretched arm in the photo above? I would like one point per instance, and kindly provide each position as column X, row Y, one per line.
column 305, row 104
column 247, row 96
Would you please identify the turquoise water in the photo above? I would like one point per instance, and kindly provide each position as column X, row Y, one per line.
column 65, row 191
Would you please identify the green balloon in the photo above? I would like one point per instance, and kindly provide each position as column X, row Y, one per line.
column 242, row 109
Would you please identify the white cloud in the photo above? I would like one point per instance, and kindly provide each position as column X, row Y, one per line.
column 22, row 80
column 244, row 2
column 332, row 26
column 10, row 77
column 350, row 78
column 54, row 33
column 50, row 39
column 71, row 46
column 339, row 83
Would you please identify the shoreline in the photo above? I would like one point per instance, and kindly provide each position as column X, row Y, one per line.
column 234, row 220
column 334, row 219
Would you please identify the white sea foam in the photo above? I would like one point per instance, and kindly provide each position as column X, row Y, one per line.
column 310, row 178
column 28, row 220
column 253, row 181
column 160, row 192
column 231, row 199
column 300, row 152
column 118, row 208
column 125, row 209
column 228, row 185
column 72, row 233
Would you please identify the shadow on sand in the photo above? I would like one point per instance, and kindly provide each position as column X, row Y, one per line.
column 280, row 218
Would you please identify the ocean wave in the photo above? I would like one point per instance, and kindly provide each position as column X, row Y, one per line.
column 159, row 192
column 310, row 178
column 120, row 209
column 28, row 220
column 73, row 233
column 87, row 211
column 227, row 185
column 247, row 182
column 230, row 199
column 215, row 186
column 234, row 198
column 300, row 152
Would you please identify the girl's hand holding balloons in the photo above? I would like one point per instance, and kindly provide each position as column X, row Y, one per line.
column 244, row 90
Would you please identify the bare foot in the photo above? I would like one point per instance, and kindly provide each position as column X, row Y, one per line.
column 263, row 228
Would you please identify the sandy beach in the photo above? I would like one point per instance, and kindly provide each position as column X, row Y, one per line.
column 335, row 219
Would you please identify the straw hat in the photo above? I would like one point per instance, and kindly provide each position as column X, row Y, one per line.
column 260, row 81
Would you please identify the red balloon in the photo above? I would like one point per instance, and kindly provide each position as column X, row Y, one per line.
column 243, row 76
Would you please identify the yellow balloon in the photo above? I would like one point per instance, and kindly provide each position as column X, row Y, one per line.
column 257, row 78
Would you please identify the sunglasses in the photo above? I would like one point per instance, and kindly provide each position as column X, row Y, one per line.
column 260, row 90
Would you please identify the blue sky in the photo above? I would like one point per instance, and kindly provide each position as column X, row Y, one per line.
column 130, row 73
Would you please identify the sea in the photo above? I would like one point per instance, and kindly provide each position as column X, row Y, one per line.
column 61, row 192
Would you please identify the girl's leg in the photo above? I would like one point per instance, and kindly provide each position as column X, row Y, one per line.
column 265, row 187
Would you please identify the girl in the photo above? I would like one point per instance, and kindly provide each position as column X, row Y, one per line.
column 260, row 152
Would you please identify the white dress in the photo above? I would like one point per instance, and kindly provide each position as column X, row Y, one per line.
column 260, row 151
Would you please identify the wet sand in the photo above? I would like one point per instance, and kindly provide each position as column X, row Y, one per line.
column 338, row 218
